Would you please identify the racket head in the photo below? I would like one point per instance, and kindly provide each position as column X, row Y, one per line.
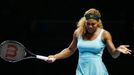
column 12, row 51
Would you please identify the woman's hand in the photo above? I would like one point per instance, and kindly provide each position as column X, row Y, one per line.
column 51, row 59
column 123, row 49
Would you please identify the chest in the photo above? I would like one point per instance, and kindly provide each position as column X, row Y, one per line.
column 90, row 37
column 94, row 46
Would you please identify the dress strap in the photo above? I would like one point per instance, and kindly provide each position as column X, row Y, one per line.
column 100, row 34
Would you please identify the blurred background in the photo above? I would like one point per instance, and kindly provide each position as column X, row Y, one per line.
column 46, row 27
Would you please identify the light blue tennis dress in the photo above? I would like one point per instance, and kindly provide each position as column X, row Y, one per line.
column 90, row 56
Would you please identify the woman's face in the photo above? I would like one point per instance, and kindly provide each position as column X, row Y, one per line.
column 91, row 25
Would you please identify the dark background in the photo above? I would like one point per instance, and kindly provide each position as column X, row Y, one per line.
column 46, row 27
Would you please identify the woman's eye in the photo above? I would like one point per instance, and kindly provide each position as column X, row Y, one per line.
column 88, row 23
column 93, row 24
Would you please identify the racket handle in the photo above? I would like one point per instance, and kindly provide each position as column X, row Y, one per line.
column 42, row 57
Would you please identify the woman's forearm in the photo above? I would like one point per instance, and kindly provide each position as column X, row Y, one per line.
column 63, row 54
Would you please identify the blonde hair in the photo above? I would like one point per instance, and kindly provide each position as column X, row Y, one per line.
column 81, row 30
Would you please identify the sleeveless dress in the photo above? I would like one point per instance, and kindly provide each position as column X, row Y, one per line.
column 90, row 56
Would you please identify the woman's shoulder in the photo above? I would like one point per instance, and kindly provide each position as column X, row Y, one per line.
column 106, row 34
column 76, row 31
column 76, row 34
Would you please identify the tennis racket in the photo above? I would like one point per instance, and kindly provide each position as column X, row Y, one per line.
column 14, row 51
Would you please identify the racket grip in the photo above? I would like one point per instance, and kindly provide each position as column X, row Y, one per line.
column 42, row 57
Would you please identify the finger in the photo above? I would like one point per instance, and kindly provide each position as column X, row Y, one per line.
column 51, row 59
column 126, row 45
column 128, row 52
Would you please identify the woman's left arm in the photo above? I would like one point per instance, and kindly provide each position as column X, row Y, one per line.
column 115, row 52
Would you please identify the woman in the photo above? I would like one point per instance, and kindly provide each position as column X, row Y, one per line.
column 90, row 38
